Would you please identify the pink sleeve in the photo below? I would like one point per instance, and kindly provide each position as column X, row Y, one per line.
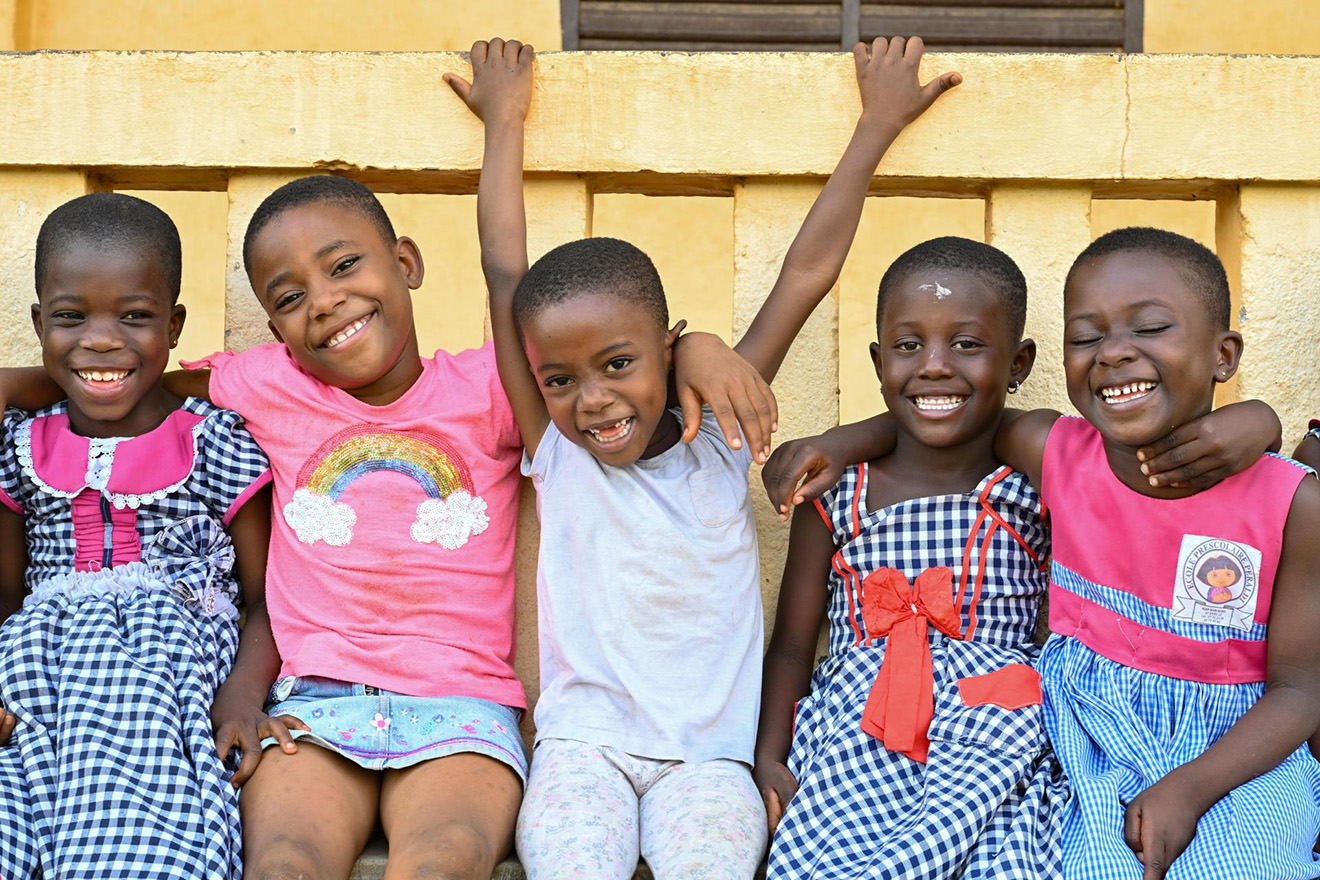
column 240, row 380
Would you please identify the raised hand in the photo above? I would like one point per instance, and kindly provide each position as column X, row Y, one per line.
column 501, row 87
column 887, row 72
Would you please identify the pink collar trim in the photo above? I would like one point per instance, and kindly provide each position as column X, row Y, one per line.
column 157, row 461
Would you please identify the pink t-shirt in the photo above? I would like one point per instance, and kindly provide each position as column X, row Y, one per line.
column 391, row 557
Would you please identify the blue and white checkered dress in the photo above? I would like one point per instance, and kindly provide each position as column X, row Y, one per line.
column 112, row 770
column 986, row 803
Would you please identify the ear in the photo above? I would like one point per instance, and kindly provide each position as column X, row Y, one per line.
column 177, row 316
column 1230, row 355
column 875, row 359
column 1023, row 360
column 36, row 320
column 670, row 338
column 410, row 261
column 274, row 332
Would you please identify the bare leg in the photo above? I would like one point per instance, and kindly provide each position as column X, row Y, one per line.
column 306, row 815
column 449, row 817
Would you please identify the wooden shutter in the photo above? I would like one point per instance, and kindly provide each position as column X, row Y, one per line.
column 831, row 25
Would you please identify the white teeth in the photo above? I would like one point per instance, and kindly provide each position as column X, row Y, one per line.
column 939, row 403
column 103, row 375
column 1115, row 392
column 348, row 331
column 618, row 426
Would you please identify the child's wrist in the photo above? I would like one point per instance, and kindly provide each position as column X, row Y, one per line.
column 879, row 123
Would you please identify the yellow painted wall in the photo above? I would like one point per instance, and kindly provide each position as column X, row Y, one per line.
column 321, row 25
column 1275, row 26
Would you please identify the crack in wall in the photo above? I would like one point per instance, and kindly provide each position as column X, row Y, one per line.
column 1127, row 116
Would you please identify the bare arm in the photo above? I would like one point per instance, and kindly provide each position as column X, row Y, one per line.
column 892, row 97
column 1020, row 440
column 237, row 713
column 500, row 95
column 188, row 383
column 1161, row 821
column 13, row 564
column 800, row 470
column 28, row 388
column 790, row 657
column 1308, row 452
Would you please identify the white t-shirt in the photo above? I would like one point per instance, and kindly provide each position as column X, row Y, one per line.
column 649, row 595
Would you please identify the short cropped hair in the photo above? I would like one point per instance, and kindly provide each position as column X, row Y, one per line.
column 593, row 265
column 992, row 266
column 112, row 220
column 1197, row 264
column 317, row 189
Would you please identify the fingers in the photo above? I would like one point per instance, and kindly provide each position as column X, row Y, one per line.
column 480, row 49
column 526, row 54
column 251, row 746
column 1132, row 827
column 461, row 87
column 774, row 810
column 691, row 406
column 816, row 484
column 931, row 91
column 510, row 55
column 915, row 46
column 727, row 417
column 780, row 478
column 860, row 58
column 896, row 47
column 1153, row 856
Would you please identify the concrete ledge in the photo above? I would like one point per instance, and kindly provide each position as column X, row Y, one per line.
column 1017, row 117
column 371, row 866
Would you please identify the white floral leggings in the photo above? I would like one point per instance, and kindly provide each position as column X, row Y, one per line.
column 590, row 811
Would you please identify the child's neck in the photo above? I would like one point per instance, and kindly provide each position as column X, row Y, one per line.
column 397, row 380
column 145, row 417
column 665, row 436
column 915, row 470
column 1126, row 466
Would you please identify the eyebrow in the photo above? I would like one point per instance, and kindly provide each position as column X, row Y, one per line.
column 1143, row 304
column 322, row 251
column 617, row 346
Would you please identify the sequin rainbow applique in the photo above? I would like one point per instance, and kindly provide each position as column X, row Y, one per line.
column 449, row 515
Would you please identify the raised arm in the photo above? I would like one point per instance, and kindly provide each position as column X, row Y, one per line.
column 1161, row 821
column 500, row 94
column 892, row 97
column 791, row 656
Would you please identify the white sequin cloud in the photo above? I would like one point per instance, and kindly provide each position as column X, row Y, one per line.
column 450, row 521
column 314, row 517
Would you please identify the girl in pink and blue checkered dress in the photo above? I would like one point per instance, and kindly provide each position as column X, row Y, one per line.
column 130, row 518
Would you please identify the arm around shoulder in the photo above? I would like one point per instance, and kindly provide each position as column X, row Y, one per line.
column 1020, row 441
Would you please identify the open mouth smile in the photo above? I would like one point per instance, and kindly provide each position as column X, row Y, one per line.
column 612, row 433
column 103, row 380
column 348, row 332
column 940, row 404
column 1113, row 395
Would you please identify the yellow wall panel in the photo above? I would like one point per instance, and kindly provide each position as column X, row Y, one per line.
column 1280, row 26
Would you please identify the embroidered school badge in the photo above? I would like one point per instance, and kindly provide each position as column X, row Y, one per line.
column 1218, row 582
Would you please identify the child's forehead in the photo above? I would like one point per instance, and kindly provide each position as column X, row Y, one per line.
column 1123, row 278
column 942, row 295
column 314, row 224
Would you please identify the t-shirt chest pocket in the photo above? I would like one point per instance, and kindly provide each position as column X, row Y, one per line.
column 714, row 497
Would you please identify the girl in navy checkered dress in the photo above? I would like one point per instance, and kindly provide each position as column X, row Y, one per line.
column 114, row 543
column 917, row 748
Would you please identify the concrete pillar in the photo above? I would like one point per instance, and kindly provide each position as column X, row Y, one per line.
column 245, row 319
column 766, row 217
column 1277, row 262
column 1043, row 228
column 26, row 198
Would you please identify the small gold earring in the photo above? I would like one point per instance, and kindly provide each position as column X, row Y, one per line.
column 174, row 343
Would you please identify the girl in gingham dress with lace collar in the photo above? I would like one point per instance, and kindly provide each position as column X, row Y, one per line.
column 129, row 626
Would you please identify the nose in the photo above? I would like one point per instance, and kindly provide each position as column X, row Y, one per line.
column 593, row 396
column 325, row 296
column 1114, row 350
column 935, row 363
column 102, row 335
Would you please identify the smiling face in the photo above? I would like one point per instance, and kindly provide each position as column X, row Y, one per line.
column 106, row 325
column 603, row 367
column 1141, row 352
column 337, row 294
column 946, row 356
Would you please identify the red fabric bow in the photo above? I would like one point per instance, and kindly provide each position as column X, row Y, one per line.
column 902, row 701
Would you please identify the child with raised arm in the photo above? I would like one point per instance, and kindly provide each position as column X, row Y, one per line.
column 1179, row 715
column 131, row 519
column 390, row 577
column 649, row 584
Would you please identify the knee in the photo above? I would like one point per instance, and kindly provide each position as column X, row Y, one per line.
column 285, row 860
column 453, row 852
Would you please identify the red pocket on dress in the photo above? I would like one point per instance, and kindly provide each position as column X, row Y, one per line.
column 1016, row 686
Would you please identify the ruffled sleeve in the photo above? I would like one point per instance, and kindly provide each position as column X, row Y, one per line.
column 12, row 485
column 230, row 466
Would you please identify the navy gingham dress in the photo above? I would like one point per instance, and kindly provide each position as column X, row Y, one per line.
column 112, row 770
column 987, row 802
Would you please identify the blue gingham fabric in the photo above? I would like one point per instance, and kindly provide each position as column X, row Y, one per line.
column 987, row 802
column 1118, row 730
column 112, row 770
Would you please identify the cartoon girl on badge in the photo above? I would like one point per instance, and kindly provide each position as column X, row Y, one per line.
column 1220, row 573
